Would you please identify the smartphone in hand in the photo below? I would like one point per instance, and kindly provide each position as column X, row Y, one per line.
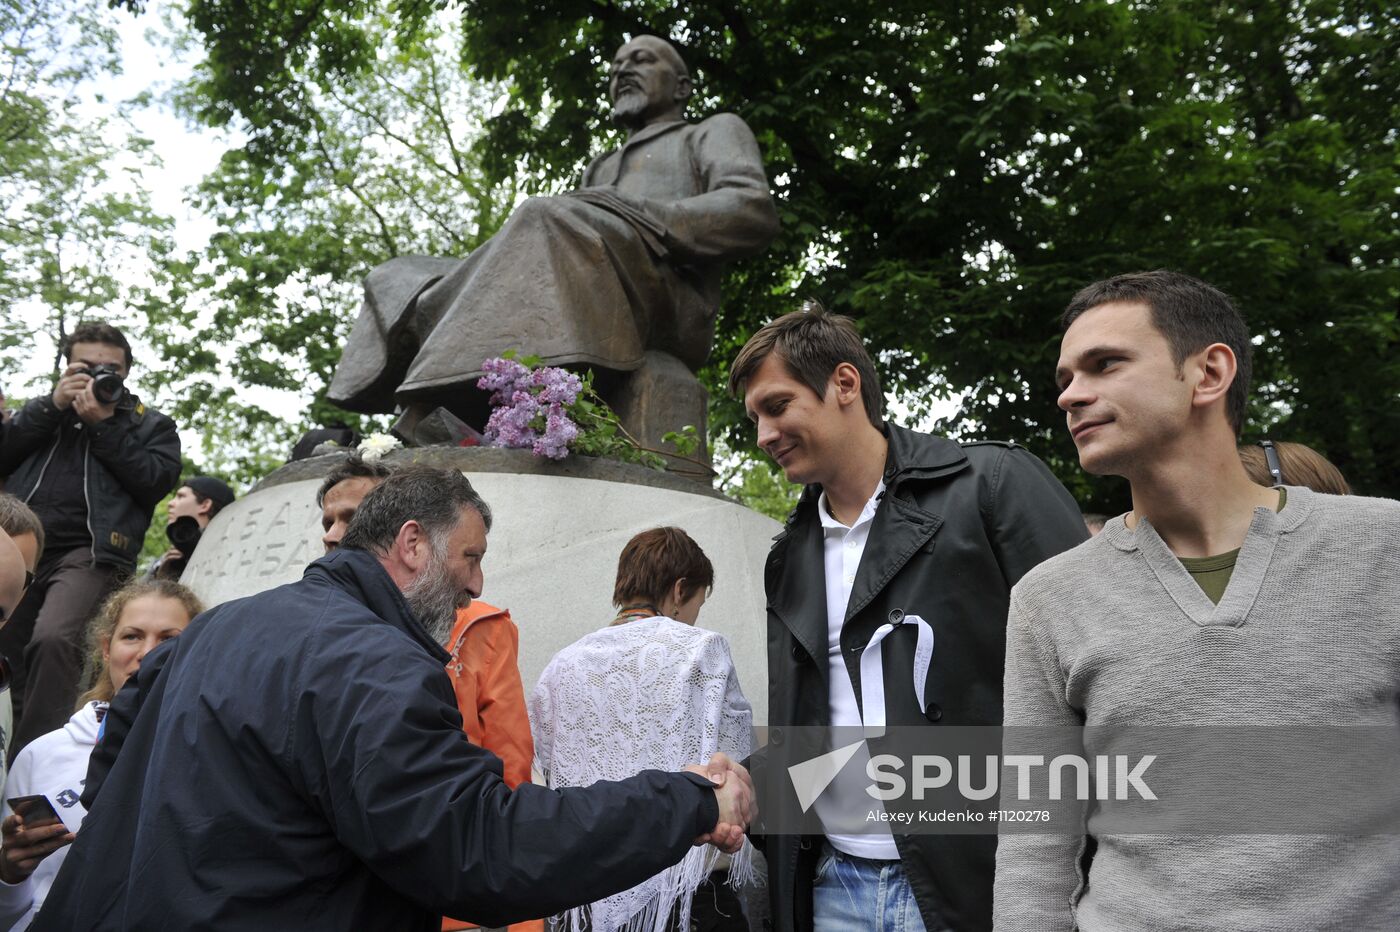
column 36, row 811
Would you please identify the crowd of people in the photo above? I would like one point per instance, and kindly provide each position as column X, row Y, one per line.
column 356, row 749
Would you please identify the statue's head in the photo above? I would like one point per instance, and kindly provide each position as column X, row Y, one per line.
column 648, row 83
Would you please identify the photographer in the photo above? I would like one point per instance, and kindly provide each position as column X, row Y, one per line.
column 92, row 461
column 188, row 513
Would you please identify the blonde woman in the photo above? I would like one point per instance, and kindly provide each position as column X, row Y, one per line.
column 131, row 622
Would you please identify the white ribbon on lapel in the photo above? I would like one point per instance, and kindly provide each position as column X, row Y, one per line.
column 872, row 670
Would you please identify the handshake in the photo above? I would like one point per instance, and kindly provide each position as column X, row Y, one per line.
column 737, row 806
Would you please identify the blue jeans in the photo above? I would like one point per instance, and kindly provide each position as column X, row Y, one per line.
column 851, row 894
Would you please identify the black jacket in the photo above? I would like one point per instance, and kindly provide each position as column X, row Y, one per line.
column 129, row 463
column 957, row 527
column 295, row 760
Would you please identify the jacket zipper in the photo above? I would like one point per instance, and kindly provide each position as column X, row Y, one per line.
column 87, row 498
column 43, row 469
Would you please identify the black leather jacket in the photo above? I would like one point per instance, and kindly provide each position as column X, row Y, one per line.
column 957, row 527
column 129, row 463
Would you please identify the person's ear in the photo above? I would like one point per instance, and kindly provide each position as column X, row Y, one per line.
column 684, row 88
column 107, row 649
column 204, row 507
column 846, row 380
column 412, row 546
column 1213, row 370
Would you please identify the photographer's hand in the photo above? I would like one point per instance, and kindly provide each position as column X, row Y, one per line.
column 69, row 386
column 87, row 407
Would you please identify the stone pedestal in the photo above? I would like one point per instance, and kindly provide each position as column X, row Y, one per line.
column 552, row 552
column 660, row 397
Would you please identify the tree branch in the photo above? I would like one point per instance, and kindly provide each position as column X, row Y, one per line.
column 338, row 172
column 423, row 155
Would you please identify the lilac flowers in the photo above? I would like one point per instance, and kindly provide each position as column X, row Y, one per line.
column 531, row 406
column 555, row 412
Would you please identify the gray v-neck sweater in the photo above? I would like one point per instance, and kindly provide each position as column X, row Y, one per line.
column 1116, row 632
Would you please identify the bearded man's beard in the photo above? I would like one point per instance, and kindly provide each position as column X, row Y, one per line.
column 433, row 597
column 629, row 109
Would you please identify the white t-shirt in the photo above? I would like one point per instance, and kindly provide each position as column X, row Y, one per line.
column 845, row 799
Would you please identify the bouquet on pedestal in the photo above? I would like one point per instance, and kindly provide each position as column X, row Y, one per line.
column 554, row 412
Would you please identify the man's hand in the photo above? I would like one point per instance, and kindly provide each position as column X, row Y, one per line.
column 87, row 407
column 735, row 795
column 70, row 385
column 23, row 848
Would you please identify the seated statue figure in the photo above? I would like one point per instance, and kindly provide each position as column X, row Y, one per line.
column 622, row 275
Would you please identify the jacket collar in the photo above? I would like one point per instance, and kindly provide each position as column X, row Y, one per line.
column 643, row 135
column 915, row 455
column 910, row 455
column 651, row 131
column 361, row 576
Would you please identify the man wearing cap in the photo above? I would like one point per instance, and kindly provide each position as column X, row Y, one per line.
column 188, row 513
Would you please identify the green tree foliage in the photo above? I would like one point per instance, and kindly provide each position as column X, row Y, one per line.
column 950, row 173
column 78, row 237
column 342, row 168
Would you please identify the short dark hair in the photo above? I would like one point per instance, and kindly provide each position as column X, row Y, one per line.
column 92, row 332
column 17, row 519
column 433, row 497
column 653, row 561
column 354, row 467
column 1190, row 313
column 811, row 343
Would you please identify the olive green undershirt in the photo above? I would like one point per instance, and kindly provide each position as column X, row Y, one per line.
column 1212, row 574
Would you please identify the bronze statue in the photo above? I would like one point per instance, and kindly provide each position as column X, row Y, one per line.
column 622, row 275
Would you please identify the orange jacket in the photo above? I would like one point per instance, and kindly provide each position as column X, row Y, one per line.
column 485, row 675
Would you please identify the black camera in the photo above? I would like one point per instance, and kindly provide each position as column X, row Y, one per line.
column 108, row 386
column 184, row 534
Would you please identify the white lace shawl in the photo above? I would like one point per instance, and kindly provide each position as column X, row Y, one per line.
column 648, row 694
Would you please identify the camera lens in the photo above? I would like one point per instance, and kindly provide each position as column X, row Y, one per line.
column 107, row 386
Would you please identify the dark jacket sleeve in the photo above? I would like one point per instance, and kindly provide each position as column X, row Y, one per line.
column 1029, row 515
column 26, row 433
column 428, row 811
column 145, row 461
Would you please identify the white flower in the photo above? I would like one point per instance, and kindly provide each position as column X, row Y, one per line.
column 375, row 446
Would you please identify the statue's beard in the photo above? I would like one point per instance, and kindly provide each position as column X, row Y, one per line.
column 433, row 598
column 629, row 108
